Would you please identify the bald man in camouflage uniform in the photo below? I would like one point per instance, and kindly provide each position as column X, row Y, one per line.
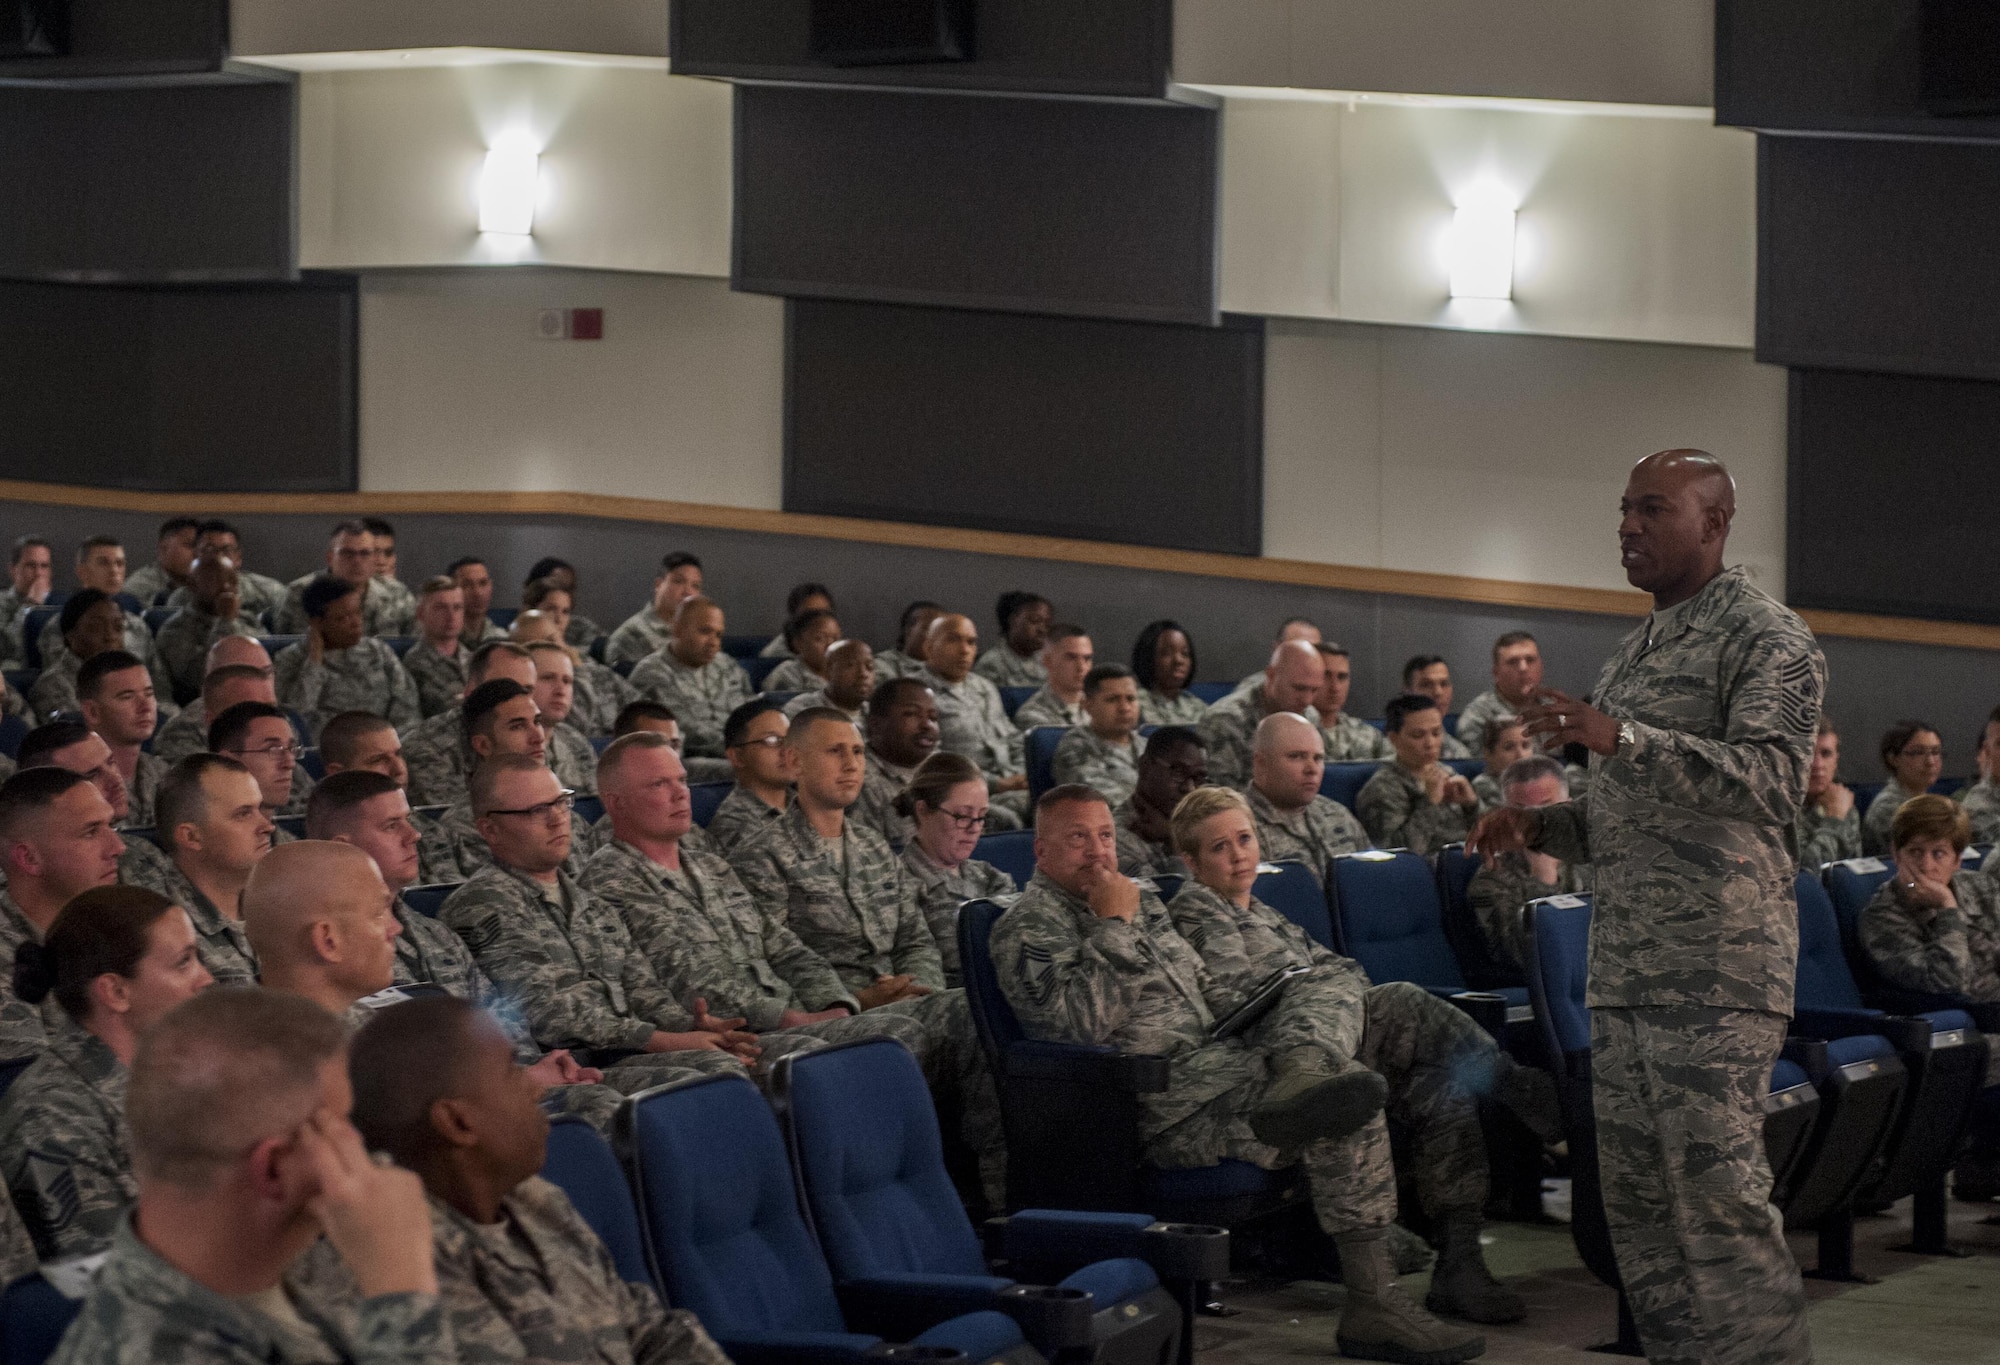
column 1292, row 680
column 1294, row 822
column 1700, row 732
column 971, row 719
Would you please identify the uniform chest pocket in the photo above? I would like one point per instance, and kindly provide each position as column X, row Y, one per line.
column 1669, row 698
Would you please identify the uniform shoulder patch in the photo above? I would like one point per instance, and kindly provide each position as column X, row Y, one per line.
column 1800, row 704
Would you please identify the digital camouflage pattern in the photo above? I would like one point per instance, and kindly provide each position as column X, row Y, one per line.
column 792, row 676
column 1950, row 951
column 1314, row 834
column 1689, row 832
column 23, row 1027
column 64, row 1147
column 1397, row 814
column 435, row 752
column 220, row 941
column 876, row 807
column 850, row 903
column 368, row 677
column 1183, row 709
column 1501, row 889
column 54, row 690
column 572, row 758
column 143, row 1311
column 941, row 890
column 1981, row 802
column 1113, row 769
column 452, row 849
column 1700, row 1248
column 439, row 679
column 186, row 733
column 1482, row 711
column 1229, row 732
column 1349, row 739
column 600, row 695
column 893, row 663
column 259, row 597
column 1046, row 708
column 741, row 816
column 142, row 791
column 138, row 642
column 1881, row 811
column 1139, row 856
column 639, row 636
column 1822, row 839
column 1002, row 667
column 700, row 698
column 14, row 610
column 382, row 611
column 973, row 723
column 806, row 701
column 184, row 641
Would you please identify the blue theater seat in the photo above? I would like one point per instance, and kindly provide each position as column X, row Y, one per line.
column 863, row 1136
column 428, row 900
column 31, row 631
column 1071, row 1113
column 401, row 644
column 294, row 825
column 581, row 1163
column 743, row 647
column 1039, row 746
column 1012, row 697
column 1010, row 850
column 706, row 796
column 33, row 1317
column 1343, row 782
column 503, row 617
column 155, row 617
column 13, row 730
column 1483, row 970
column 315, row 766
column 1294, row 891
column 1211, row 692
column 586, row 811
column 759, row 668
column 721, row 1215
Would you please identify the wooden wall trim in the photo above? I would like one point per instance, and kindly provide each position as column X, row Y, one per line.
column 1492, row 592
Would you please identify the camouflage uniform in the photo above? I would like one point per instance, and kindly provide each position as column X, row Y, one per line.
column 1002, row 667
column 141, row 791
column 638, row 637
column 1184, row 709
column 538, row 1285
column 876, row 807
column 700, row 698
column 1498, row 892
column 1693, row 953
column 148, row 583
column 54, row 690
column 184, row 641
column 143, row 1311
column 1952, row 951
column 860, row 913
column 573, row 758
column 600, row 695
column 220, row 941
column 893, row 663
column 23, row 1027
column 566, row 958
column 941, row 890
column 401, row 601
column 1436, row 1059
column 741, row 817
column 1981, row 802
column 64, row 1147
column 1046, row 708
column 1487, row 788
column 972, row 722
column 1397, row 814
column 1138, row 856
column 1822, row 839
column 806, row 701
column 258, row 596
column 792, row 676
column 1453, row 747
column 1229, row 731
column 1314, row 834
column 1483, row 710
column 186, row 733
column 138, row 642
column 1881, row 811
column 14, row 610
column 480, row 630
column 1113, row 769
column 438, row 758
column 382, row 611
column 453, row 849
column 1350, row 739
column 367, row 677
column 440, row 681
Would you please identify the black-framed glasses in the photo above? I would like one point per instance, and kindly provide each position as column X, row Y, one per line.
column 283, row 749
column 765, row 741
column 965, row 819
column 542, row 810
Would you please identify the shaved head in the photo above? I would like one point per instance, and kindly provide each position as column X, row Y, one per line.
column 1276, row 733
column 1674, row 523
column 236, row 649
column 296, row 892
column 1293, row 677
column 1696, row 470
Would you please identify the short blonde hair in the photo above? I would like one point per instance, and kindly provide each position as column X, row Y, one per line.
column 1930, row 817
column 1195, row 810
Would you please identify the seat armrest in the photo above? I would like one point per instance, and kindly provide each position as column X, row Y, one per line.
column 803, row 1348
column 1061, row 1237
column 1486, row 1009
column 1137, row 1073
column 904, row 1306
column 1810, row 1054
column 1826, row 1024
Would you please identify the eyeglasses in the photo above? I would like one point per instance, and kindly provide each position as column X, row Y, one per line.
column 967, row 820
column 767, row 741
column 287, row 749
column 1922, row 751
column 543, row 810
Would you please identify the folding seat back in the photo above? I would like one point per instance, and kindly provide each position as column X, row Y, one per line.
column 31, row 632
column 1012, row 697
column 744, row 647
column 1012, row 851
column 1850, row 884
column 1211, row 692
column 781, row 698
column 1294, row 891
column 599, row 743
column 34, row 1314
column 1343, row 782
column 586, row 811
column 1483, row 971
column 1824, row 981
column 401, row 644
column 1039, row 748
column 428, row 900
column 314, row 765
column 583, row 1166
column 1387, row 917
column 1467, row 768
column 993, row 1018
column 503, row 617
column 1974, row 859
column 760, row 668
column 12, row 731
column 294, row 825
column 705, row 797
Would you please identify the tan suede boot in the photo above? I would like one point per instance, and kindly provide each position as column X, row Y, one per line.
column 1381, row 1322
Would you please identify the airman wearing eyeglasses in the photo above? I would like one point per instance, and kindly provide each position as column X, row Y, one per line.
column 753, row 740
column 260, row 737
column 1913, row 752
column 500, row 718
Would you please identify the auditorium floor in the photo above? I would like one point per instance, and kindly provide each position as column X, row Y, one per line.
column 1923, row 1310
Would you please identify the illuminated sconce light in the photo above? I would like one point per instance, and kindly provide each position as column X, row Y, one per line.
column 1480, row 251
column 509, row 184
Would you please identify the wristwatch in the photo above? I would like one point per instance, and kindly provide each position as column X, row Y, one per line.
column 1628, row 739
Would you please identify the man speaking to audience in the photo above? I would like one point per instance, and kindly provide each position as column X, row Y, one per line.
column 1700, row 738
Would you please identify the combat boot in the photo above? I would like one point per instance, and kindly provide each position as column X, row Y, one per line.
column 1461, row 1285
column 1379, row 1321
column 1530, row 1093
column 1307, row 1100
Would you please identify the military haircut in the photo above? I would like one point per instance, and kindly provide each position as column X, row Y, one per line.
column 403, row 1061
column 436, row 584
column 340, row 738
column 633, row 712
column 481, row 662
column 1291, row 621
column 213, row 681
column 173, row 526
column 1102, row 674
column 1898, row 736
column 231, row 1068
column 805, row 720
column 1147, row 647
column 216, row 526
column 1169, row 740
column 339, row 793
column 353, row 526
column 909, row 617
column 1509, row 640
column 888, row 695
column 322, row 593
column 1401, row 708
column 486, row 775
column 1066, row 630
column 1010, row 605
column 104, row 929
column 40, row 744
column 101, row 541
column 1533, row 768
column 546, row 567
column 1332, row 649
column 464, row 562
column 678, row 559
column 1930, row 817
column 183, row 794
column 738, row 723
column 1195, row 810
column 29, row 792
column 23, row 544
column 98, row 666
column 612, row 761
column 80, row 602
column 1418, row 663
column 229, row 727
column 376, row 526
column 1068, row 794
column 487, row 698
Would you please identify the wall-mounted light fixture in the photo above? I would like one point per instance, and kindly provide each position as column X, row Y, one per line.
column 1480, row 248
column 509, row 185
